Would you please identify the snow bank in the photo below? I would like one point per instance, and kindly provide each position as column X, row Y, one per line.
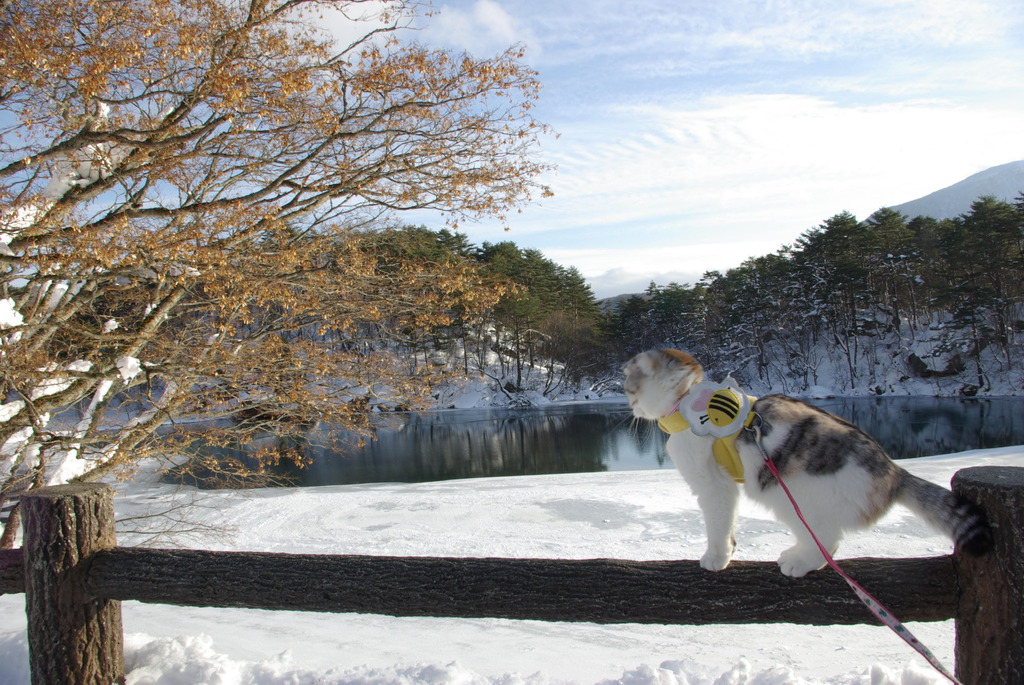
column 193, row 660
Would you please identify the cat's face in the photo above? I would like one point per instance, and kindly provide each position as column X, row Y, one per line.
column 656, row 379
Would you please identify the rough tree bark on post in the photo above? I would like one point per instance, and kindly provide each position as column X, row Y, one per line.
column 990, row 618
column 74, row 638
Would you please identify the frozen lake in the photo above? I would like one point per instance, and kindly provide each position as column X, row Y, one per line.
column 601, row 436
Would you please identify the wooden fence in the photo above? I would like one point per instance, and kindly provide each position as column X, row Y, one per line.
column 74, row 578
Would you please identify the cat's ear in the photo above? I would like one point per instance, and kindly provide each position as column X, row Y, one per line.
column 645, row 362
column 688, row 369
column 640, row 364
column 672, row 360
column 677, row 360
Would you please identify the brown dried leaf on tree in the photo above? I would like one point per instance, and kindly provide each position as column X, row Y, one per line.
column 191, row 199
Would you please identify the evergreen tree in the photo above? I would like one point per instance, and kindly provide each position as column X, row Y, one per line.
column 831, row 259
column 544, row 318
column 893, row 260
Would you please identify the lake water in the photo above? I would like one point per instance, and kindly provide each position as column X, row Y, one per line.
column 601, row 436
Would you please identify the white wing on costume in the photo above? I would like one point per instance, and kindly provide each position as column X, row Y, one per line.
column 717, row 409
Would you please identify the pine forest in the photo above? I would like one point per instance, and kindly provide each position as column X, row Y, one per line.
column 888, row 305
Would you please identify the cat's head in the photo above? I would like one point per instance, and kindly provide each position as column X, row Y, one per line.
column 656, row 379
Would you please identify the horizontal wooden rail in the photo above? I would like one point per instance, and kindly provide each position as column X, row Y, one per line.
column 592, row 590
column 597, row 590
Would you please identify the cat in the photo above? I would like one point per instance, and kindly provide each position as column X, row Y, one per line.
column 842, row 479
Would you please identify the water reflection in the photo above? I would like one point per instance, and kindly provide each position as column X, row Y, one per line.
column 923, row 426
column 602, row 436
column 475, row 443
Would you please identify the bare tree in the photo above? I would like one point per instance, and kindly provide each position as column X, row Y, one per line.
column 186, row 193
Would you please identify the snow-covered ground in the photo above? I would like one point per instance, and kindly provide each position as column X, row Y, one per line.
column 625, row 514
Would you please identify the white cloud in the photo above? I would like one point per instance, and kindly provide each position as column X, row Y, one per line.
column 350, row 23
column 630, row 269
column 484, row 28
column 755, row 161
column 496, row 21
column 655, row 39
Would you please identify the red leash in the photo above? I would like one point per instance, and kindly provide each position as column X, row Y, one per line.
column 876, row 607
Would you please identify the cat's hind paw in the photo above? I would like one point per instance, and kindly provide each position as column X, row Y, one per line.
column 798, row 561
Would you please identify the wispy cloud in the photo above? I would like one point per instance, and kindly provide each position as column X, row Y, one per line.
column 654, row 185
column 481, row 27
column 349, row 23
column 791, row 28
column 720, row 156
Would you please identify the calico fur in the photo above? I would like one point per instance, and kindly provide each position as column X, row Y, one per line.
column 841, row 477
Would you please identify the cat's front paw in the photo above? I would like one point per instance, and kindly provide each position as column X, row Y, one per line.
column 716, row 560
column 798, row 561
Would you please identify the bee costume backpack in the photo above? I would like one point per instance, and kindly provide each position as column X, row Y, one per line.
column 721, row 410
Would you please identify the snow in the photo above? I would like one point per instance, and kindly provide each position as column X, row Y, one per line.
column 9, row 410
column 1004, row 182
column 59, row 382
column 15, row 442
column 129, row 367
column 623, row 514
column 9, row 314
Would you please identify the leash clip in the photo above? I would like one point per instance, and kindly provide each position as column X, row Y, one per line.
column 754, row 426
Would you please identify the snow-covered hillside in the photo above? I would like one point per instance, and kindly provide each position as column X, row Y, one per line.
column 1005, row 182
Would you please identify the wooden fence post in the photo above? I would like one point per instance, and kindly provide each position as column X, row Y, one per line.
column 73, row 637
column 990, row 614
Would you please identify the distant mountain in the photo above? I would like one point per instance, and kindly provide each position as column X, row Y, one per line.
column 1005, row 182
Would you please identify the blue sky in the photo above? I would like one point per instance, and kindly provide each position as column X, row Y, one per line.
column 694, row 134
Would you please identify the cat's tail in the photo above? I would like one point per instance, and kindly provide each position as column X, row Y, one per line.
column 952, row 514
